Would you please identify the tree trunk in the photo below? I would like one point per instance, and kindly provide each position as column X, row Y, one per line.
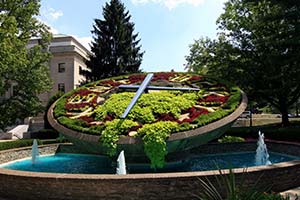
column 297, row 109
column 284, row 116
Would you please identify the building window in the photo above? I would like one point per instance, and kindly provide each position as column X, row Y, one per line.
column 61, row 87
column 80, row 70
column 61, row 67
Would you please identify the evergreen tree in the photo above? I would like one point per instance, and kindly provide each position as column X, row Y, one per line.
column 23, row 72
column 115, row 47
column 258, row 48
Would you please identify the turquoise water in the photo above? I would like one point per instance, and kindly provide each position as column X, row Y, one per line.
column 91, row 164
column 65, row 163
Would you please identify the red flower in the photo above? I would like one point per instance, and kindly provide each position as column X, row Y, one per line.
column 94, row 100
column 83, row 92
column 135, row 128
column 195, row 78
column 194, row 113
column 87, row 119
column 136, row 78
column 214, row 98
column 108, row 118
column 163, row 76
column 110, row 82
column 166, row 117
column 72, row 106
column 185, row 120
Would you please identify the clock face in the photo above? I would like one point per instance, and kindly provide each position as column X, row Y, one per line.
column 92, row 107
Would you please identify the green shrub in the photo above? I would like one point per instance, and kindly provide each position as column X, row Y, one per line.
column 113, row 129
column 17, row 144
column 167, row 102
column 28, row 142
column 231, row 104
column 148, row 106
column 97, row 129
column 210, row 117
column 80, row 125
column 71, row 123
column 234, row 99
column 143, row 115
column 184, row 127
column 228, row 187
column 228, row 139
column 60, row 109
column 50, row 102
column 115, row 106
column 154, row 138
column 274, row 132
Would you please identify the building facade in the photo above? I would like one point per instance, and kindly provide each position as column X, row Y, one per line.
column 68, row 59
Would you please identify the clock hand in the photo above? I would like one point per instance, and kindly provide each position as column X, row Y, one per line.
column 135, row 87
column 138, row 93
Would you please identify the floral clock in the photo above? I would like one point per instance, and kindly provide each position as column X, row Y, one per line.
column 162, row 110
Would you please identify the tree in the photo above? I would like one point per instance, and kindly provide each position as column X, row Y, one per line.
column 51, row 100
column 214, row 57
column 115, row 46
column 23, row 71
column 259, row 49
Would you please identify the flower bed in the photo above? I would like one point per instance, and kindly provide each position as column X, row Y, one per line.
column 96, row 109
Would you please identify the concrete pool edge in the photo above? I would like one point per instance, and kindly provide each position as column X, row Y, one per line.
column 182, row 185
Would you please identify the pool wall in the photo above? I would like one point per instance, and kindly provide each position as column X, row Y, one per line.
column 24, row 152
column 31, row 185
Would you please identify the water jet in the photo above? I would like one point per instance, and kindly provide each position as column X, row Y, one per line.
column 262, row 155
column 121, row 164
column 34, row 152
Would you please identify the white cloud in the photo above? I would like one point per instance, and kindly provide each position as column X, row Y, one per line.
column 55, row 14
column 170, row 4
column 50, row 14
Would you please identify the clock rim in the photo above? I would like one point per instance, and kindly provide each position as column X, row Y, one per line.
column 131, row 140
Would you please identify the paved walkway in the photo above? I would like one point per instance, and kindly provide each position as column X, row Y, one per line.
column 6, row 141
column 294, row 194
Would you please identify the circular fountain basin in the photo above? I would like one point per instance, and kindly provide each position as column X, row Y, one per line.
column 93, row 164
column 17, row 184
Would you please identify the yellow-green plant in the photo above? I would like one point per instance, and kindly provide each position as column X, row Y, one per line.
column 229, row 138
column 154, row 138
column 113, row 129
column 148, row 106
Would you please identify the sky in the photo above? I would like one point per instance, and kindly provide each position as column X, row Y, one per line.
column 166, row 27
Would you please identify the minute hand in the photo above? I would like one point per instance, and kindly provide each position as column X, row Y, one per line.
column 138, row 93
column 136, row 87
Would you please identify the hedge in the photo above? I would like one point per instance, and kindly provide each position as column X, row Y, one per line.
column 28, row 142
column 273, row 132
column 17, row 144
